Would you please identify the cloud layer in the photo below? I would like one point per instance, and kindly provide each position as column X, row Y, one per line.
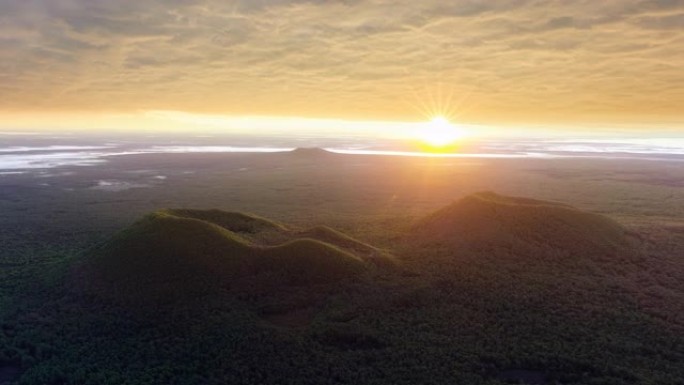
column 505, row 60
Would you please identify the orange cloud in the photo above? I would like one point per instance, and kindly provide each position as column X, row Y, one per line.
column 507, row 61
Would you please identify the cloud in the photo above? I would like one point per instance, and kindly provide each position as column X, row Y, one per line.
column 667, row 22
column 508, row 60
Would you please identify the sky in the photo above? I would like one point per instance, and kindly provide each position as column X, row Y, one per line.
column 497, row 62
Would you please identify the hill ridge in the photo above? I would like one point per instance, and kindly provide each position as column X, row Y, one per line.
column 197, row 250
column 487, row 221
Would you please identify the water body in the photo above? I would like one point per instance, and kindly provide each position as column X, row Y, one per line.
column 24, row 153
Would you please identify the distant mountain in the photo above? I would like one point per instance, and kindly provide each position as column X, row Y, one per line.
column 310, row 152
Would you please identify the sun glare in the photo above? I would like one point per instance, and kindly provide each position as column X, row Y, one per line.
column 439, row 132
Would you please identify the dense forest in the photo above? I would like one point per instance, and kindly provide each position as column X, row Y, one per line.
column 489, row 290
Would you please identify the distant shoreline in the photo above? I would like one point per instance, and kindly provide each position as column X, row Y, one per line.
column 24, row 153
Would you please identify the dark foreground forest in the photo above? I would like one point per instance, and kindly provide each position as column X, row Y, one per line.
column 272, row 269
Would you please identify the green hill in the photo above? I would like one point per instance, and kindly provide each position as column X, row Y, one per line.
column 249, row 226
column 165, row 246
column 490, row 290
column 369, row 253
column 233, row 221
column 326, row 234
column 195, row 250
column 308, row 261
column 520, row 227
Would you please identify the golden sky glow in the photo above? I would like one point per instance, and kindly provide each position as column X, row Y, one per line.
column 474, row 61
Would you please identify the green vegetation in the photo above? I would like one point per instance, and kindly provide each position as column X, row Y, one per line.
column 491, row 290
column 174, row 253
column 232, row 221
column 164, row 246
column 326, row 234
column 522, row 228
column 373, row 255
column 309, row 261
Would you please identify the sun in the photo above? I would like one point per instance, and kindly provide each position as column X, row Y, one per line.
column 439, row 132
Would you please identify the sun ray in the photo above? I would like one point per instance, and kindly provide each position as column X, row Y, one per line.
column 440, row 105
column 439, row 133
